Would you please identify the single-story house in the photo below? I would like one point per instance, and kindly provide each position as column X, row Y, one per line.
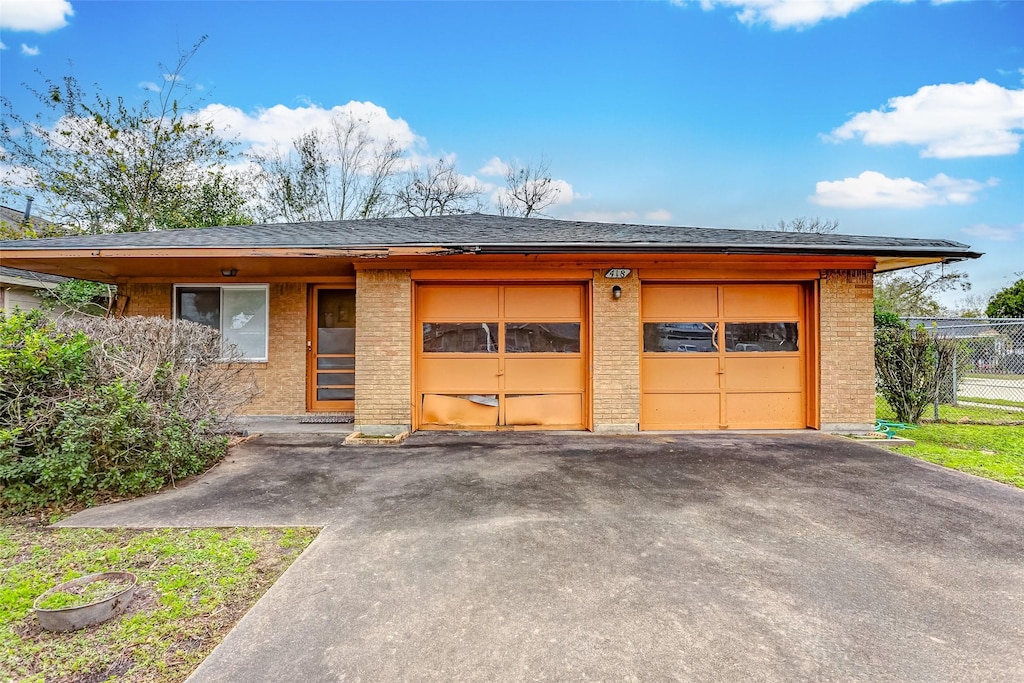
column 488, row 322
column 21, row 289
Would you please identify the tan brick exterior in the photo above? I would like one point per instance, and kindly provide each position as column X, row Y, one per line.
column 147, row 299
column 383, row 349
column 384, row 365
column 616, row 354
column 847, row 350
column 282, row 378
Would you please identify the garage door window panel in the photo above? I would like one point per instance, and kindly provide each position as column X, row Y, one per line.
column 460, row 337
column 770, row 337
column 542, row 337
column 680, row 337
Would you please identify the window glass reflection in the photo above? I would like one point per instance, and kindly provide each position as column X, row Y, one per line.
column 761, row 337
column 690, row 337
column 542, row 337
column 460, row 337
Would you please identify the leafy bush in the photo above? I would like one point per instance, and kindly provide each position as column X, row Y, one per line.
column 119, row 408
column 910, row 365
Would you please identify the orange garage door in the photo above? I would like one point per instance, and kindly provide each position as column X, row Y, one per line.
column 723, row 357
column 494, row 356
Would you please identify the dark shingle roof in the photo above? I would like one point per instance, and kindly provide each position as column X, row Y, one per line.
column 28, row 278
column 499, row 234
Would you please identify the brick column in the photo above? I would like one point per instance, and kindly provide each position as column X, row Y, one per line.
column 847, row 350
column 616, row 354
column 383, row 351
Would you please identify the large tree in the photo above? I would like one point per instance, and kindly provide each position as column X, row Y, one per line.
column 912, row 292
column 103, row 164
column 339, row 173
column 529, row 189
column 1008, row 302
column 438, row 190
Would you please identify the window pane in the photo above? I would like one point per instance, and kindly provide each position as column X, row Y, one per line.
column 335, row 340
column 200, row 305
column 542, row 337
column 747, row 337
column 335, row 394
column 335, row 379
column 680, row 337
column 335, row 363
column 244, row 320
column 460, row 337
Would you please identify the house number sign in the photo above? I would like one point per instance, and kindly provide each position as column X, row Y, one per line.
column 617, row 273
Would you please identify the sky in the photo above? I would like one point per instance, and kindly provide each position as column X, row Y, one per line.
column 894, row 118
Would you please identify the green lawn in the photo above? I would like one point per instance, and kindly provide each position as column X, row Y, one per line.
column 960, row 413
column 990, row 451
column 194, row 584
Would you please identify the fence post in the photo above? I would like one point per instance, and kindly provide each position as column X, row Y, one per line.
column 956, row 381
column 938, row 380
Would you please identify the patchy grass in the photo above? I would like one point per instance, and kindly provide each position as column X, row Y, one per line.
column 958, row 414
column 990, row 451
column 989, row 375
column 194, row 584
column 994, row 401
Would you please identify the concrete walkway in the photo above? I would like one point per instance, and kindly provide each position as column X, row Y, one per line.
column 508, row 557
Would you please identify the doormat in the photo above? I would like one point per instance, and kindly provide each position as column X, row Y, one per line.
column 326, row 419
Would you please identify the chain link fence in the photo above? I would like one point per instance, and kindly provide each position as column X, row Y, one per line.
column 985, row 384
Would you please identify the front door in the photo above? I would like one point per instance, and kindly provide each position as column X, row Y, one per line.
column 331, row 350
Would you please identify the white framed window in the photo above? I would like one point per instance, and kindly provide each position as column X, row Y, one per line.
column 238, row 312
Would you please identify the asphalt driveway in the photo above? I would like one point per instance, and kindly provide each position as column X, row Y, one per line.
column 484, row 557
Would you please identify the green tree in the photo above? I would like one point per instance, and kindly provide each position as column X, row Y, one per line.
column 1008, row 302
column 912, row 292
column 101, row 164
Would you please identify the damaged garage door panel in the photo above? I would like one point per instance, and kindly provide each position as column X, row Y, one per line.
column 460, row 410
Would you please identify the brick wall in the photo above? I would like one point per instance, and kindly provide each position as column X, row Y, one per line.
column 148, row 299
column 616, row 354
column 383, row 348
column 847, row 350
column 282, row 379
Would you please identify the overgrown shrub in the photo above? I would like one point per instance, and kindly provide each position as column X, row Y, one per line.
column 910, row 366
column 92, row 408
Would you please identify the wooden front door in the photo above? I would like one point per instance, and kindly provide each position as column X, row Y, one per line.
column 331, row 350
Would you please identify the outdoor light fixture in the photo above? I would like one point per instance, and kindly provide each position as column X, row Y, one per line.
column 616, row 292
column 229, row 272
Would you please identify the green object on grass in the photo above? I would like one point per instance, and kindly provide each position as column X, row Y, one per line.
column 889, row 428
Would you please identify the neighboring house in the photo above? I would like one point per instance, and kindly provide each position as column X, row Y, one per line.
column 21, row 289
column 487, row 322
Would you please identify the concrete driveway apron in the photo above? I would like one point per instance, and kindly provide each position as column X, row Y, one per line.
column 484, row 557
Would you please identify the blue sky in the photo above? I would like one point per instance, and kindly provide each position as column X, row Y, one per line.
column 900, row 118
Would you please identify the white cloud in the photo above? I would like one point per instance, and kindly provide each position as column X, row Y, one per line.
column 173, row 77
column 950, row 120
column 798, row 14
column 658, row 216
column 874, row 190
column 3, row 46
column 782, row 14
column 38, row 16
column 494, row 167
column 149, row 85
column 995, row 233
column 29, row 51
column 265, row 129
